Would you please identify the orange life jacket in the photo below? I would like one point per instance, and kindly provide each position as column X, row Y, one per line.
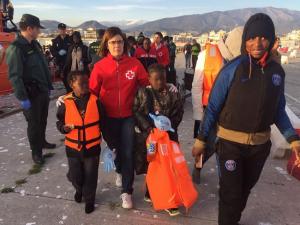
column 86, row 132
column 168, row 180
column 212, row 66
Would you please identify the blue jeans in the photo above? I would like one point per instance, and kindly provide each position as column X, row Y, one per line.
column 120, row 135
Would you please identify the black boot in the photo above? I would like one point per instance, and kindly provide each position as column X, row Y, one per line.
column 196, row 175
column 48, row 145
column 78, row 197
column 89, row 208
column 37, row 159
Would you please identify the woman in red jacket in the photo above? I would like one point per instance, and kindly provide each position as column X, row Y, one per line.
column 145, row 54
column 115, row 79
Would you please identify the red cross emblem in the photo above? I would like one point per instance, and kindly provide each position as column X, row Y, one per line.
column 130, row 74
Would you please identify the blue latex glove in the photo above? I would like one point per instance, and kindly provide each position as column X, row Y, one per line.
column 162, row 122
column 108, row 157
column 26, row 104
column 49, row 93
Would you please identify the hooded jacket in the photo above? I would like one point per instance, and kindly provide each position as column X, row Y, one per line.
column 248, row 97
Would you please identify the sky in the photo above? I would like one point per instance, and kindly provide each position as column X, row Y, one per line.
column 74, row 12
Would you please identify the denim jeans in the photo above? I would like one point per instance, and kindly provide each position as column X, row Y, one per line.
column 120, row 135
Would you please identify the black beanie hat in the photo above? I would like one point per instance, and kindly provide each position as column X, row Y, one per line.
column 258, row 25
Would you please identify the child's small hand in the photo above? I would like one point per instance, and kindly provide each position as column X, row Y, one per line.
column 172, row 88
column 68, row 128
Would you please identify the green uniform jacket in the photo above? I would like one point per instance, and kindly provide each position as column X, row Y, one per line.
column 27, row 64
column 196, row 49
column 94, row 49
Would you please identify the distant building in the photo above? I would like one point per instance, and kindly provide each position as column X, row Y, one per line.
column 216, row 36
column 183, row 37
column 291, row 40
column 45, row 41
column 90, row 33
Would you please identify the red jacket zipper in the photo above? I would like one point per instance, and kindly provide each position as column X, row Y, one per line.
column 118, row 74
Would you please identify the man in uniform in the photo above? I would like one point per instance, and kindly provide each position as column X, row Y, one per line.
column 31, row 81
column 60, row 47
column 94, row 48
column 172, row 51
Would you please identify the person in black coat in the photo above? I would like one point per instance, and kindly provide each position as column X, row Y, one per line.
column 60, row 46
column 78, row 59
column 156, row 101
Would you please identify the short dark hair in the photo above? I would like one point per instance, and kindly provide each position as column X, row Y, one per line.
column 74, row 74
column 146, row 38
column 159, row 34
column 77, row 34
column 157, row 68
column 131, row 39
column 109, row 34
column 166, row 38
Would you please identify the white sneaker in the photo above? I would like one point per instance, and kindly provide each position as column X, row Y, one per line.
column 126, row 201
column 119, row 180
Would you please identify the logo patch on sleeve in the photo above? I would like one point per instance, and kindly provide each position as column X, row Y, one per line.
column 230, row 165
column 276, row 79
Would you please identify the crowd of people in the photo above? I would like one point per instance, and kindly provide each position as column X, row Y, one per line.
column 113, row 85
column 69, row 53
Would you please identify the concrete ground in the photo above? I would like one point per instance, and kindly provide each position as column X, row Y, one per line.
column 46, row 198
column 292, row 84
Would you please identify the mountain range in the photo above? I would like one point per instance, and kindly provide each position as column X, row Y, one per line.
column 124, row 24
column 285, row 20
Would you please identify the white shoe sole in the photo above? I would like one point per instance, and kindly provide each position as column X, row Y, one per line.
column 127, row 207
column 174, row 214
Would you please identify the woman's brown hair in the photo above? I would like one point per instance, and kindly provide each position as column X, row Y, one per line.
column 109, row 34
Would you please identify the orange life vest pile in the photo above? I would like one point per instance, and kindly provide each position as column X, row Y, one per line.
column 168, row 180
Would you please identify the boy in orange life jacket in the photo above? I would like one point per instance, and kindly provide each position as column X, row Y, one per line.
column 79, row 119
column 155, row 99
